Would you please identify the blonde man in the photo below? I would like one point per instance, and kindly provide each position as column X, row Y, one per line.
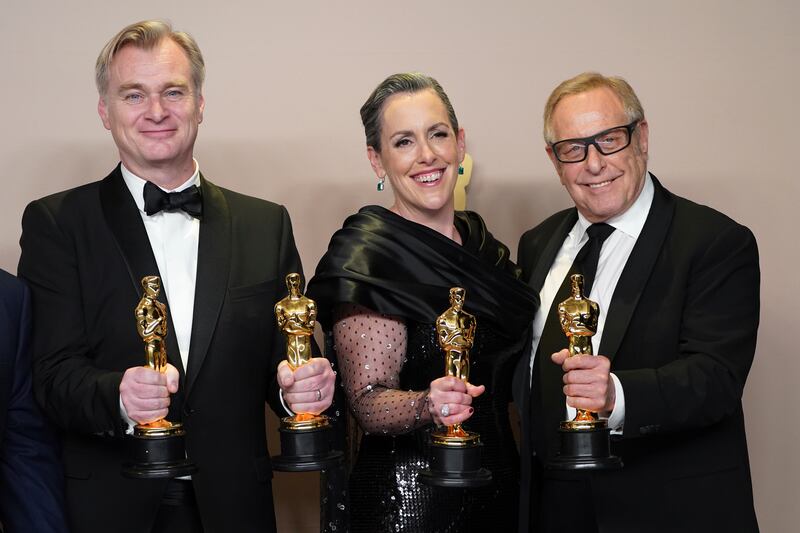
column 678, row 289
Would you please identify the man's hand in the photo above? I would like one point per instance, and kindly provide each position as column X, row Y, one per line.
column 587, row 381
column 309, row 389
column 145, row 392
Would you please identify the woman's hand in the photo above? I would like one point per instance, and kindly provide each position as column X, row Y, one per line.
column 450, row 400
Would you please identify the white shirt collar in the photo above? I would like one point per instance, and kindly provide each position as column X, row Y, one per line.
column 632, row 220
column 136, row 184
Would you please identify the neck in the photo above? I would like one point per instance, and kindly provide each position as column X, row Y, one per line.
column 168, row 176
column 440, row 221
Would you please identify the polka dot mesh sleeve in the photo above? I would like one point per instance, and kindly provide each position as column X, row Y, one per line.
column 371, row 349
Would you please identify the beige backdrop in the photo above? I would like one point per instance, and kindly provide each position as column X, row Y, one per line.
column 285, row 80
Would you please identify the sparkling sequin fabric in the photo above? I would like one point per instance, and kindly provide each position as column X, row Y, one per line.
column 387, row 393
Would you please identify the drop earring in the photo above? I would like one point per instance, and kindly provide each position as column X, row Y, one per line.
column 381, row 181
column 460, row 170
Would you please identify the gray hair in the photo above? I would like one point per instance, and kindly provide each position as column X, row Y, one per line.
column 404, row 82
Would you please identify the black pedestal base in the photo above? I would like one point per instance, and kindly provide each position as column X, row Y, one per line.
column 457, row 467
column 305, row 450
column 158, row 457
column 587, row 449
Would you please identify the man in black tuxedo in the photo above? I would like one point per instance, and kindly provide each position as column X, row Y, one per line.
column 678, row 289
column 222, row 258
column 31, row 481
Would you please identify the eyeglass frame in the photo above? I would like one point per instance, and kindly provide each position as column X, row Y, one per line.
column 591, row 140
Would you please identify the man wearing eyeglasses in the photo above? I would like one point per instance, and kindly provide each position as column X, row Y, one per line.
column 678, row 288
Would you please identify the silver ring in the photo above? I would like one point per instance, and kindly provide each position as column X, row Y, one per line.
column 445, row 410
column 319, row 395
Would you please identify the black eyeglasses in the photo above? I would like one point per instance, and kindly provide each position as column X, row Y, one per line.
column 607, row 142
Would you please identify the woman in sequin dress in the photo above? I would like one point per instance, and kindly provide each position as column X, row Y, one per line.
column 379, row 288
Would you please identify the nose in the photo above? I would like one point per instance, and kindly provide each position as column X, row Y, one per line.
column 155, row 110
column 426, row 155
column 595, row 161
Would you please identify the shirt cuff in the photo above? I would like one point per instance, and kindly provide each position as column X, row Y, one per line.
column 283, row 403
column 616, row 420
column 125, row 418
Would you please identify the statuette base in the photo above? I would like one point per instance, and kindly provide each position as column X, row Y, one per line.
column 305, row 445
column 158, row 451
column 455, row 462
column 584, row 449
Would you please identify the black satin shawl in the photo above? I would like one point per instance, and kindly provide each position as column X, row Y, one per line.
column 397, row 267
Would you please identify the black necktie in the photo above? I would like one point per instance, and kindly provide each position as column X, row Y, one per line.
column 550, row 383
column 189, row 199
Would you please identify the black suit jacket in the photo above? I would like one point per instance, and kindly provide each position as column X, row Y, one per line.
column 84, row 252
column 681, row 334
column 31, row 480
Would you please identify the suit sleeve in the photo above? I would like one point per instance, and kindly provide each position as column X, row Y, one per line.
column 704, row 382
column 31, row 488
column 73, row 392
column 288, row 262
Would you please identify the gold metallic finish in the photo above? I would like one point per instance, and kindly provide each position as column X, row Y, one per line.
column 578, row 316
column 455, row 441
column 583, row 425
column 455, row 329
column 173, row 430
column 315, row 422
column 151, row 323
column 296, row 316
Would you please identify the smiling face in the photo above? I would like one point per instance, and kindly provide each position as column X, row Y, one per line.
column 419, row 154
column 602, row 186
column 153, row 111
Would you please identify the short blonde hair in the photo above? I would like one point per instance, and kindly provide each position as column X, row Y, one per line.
column 146, row 35
column 586, row 82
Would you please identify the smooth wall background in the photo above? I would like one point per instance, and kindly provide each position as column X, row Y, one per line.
column 285, row 80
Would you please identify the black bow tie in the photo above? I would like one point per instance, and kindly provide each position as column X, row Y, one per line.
column 189, row 199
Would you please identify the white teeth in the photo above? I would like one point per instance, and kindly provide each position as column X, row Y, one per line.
column 598, row 185
column 427, row 178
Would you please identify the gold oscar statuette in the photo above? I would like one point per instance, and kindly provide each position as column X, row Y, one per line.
column 157, row 447
column 585, row 440
column 151, row 323
column 455, row 330
column 455, row 459
column 305, row 442
column 296, row 316
column 578, row 317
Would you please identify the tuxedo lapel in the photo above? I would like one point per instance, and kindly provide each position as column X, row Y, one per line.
column 637, row 270
column 546, row 381
column 213, row 267
column 123, row 219
column 551, row 248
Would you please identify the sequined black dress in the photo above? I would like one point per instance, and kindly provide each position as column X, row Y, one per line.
column 379, row 288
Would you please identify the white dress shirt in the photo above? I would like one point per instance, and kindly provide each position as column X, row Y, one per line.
column 173, row 237
column 613, row 256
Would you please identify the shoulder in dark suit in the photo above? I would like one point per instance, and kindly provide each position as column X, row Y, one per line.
column 31, row 479
column 84, row 252
column 680, row 334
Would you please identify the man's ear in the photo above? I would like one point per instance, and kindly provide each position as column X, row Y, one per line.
column 643, row 136
column 102, row 110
